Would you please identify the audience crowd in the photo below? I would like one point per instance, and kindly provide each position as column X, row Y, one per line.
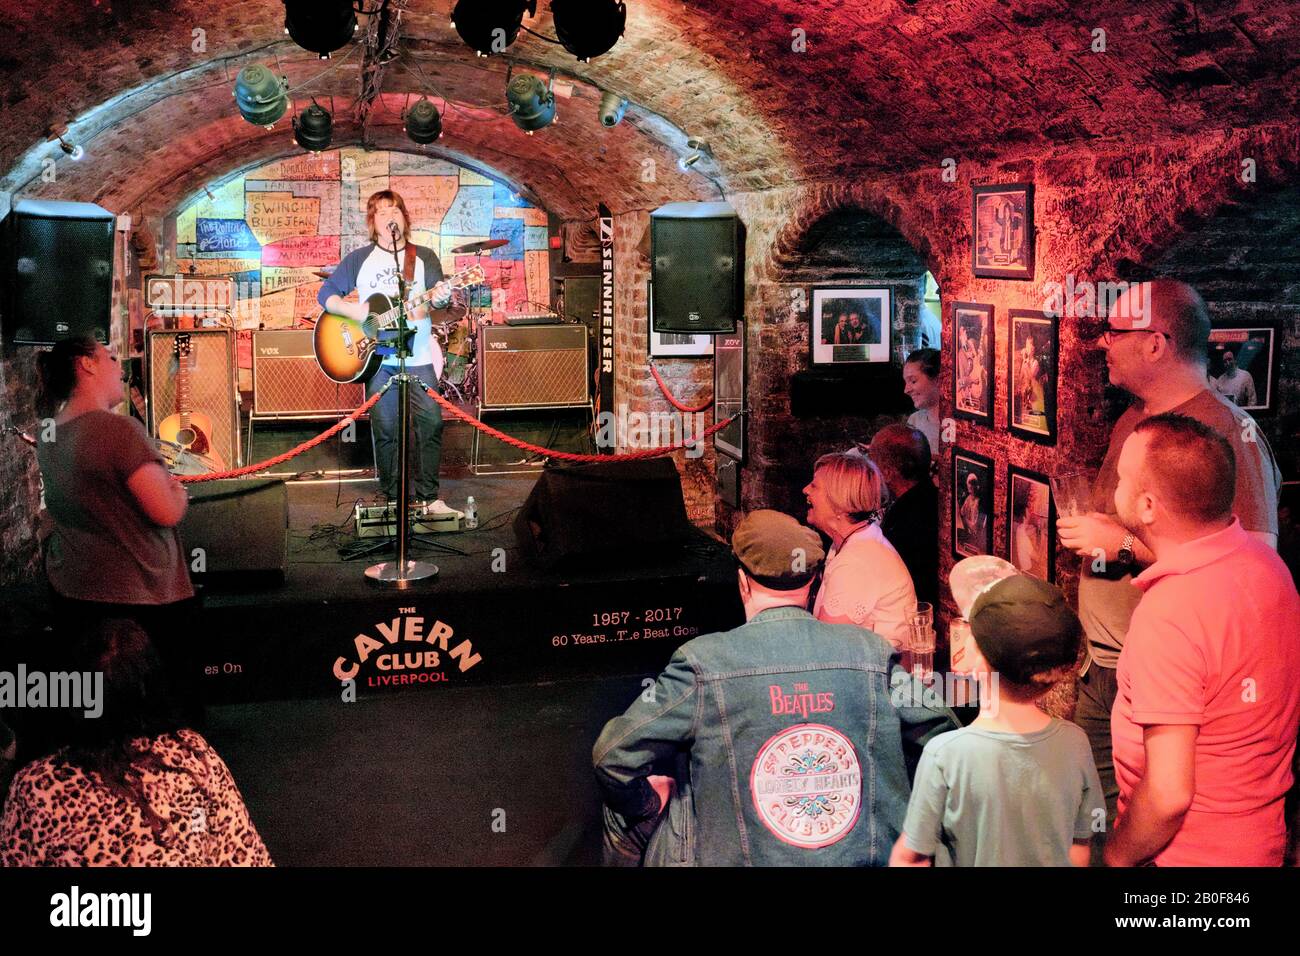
column 810, row 735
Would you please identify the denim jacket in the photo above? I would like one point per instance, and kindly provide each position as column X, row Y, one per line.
column 792, row 751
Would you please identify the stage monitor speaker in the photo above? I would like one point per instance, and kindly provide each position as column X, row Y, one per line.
column 289, row 383
column 533, row 366
column 695, row 258
column 241, row 526
column 606, row 513
column 58, row 271
column 212, row 384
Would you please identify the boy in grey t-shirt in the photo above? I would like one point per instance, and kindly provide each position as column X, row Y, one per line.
column 1016, row 787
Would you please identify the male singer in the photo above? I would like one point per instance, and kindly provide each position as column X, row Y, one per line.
column 371, row 269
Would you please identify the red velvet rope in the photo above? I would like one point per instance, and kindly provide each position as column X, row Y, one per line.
column 663, row 387
column 281, row 459
column 463, row 416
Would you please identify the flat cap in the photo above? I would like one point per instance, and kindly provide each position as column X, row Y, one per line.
column 777, row 550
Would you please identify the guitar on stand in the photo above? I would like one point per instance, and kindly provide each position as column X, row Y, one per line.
column 346, row 349
column 185, row 436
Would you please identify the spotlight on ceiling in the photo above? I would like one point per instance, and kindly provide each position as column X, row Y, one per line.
column 321, row 26
column 699, row 149
column 423, row 124
column 532, row 104
column 589, row 28
column 612, row 108
column 261, row 96
column 489, row 26
column 313, row 128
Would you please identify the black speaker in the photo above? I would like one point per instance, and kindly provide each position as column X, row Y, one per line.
column 241, row 526
column 695, row 256
column 58, row 271
column 623, row 512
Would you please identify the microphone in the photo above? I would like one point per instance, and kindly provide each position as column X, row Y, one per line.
column 392, row 230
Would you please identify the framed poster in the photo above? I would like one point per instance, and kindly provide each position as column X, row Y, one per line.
column 850, row 326
column 729, row 392
column 1002, row 231
column 1031, row 528
column 1243, row 365
column 972, row 504
column 674, row 344
column 972, row 361
column 1032, row 376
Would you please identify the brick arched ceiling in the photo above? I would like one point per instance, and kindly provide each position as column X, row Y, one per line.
column 784, row 90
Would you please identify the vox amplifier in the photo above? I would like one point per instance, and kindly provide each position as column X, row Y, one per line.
column 533, row 366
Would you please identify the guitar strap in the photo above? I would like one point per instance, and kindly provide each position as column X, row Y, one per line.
column 408, row 263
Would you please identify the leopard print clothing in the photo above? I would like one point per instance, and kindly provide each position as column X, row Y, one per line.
column 59, row 815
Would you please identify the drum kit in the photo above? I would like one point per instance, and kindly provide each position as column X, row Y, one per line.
column 458, row 338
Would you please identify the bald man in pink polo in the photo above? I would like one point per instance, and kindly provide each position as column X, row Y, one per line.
column 1205, row 721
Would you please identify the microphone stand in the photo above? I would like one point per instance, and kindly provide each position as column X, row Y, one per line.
column 400, row 573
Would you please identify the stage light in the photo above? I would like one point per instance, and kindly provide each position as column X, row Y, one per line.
column 532, row 104
column 261, row 97
column 699, row 149
column 612, row 108
column 320, row 26
column 313, row 128
column 489, row 26
column 73, row 150
column 423, row 124
column 589, row 28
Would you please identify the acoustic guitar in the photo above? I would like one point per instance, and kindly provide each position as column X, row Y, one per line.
column 345, row 348
column 186, row 428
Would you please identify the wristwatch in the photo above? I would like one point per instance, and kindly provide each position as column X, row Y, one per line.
column 1125, row 555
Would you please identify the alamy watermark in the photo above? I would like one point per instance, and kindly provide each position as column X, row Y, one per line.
column 74, row 690
column 1084, row 299
column 651, row 430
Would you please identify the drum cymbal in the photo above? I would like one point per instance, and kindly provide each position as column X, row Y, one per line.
column 480, row 246
column 324, row 272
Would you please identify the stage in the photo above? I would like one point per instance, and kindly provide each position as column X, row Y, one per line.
column 487, row 617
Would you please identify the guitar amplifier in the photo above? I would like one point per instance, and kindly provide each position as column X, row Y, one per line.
column 288, row 382
column 212, row 384
column 537, row 366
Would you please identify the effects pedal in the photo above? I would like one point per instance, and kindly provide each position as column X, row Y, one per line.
column 380, row 521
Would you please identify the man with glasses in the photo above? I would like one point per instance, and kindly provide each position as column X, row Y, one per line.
column 1156, row 344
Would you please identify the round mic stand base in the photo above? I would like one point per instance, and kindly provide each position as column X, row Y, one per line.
column 387, row 572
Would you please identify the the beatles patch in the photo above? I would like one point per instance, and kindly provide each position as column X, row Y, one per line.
column 807, row 785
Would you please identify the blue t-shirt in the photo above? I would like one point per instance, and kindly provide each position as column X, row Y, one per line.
column 985, row 798
column 371, row 269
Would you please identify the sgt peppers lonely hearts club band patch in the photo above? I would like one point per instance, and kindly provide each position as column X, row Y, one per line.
column 807, row 785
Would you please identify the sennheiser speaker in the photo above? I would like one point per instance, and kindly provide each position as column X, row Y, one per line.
column 289, row 383
column 607, row 513
column 695, row 257
column 236, row 528
column 192, row 371
column 57, row 271
column 533, row 366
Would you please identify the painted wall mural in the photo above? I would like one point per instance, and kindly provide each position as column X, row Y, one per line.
column 273, row 228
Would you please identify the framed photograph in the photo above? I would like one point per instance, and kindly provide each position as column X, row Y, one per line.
column 851, row 326
column 729, row 392
column 972, row 361
column 1032, row 376
column 1243, row 365
column 674, row 344
column 1031, row 529
column 972, row 504
column 1002, row 231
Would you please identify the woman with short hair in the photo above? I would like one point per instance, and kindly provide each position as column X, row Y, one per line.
column 865, row 582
